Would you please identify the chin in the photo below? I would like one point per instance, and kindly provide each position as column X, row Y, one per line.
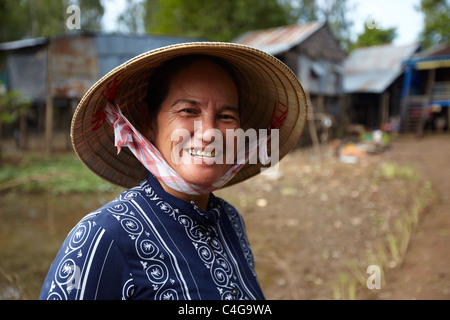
column 202, row 176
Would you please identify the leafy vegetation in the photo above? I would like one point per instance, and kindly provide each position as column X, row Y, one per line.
column 374, row 36
column 12, row 104
column 44, row 18
column 209, row 19
column 215, row 19
column 437, row 25
column 55, row 174
column 225, row 20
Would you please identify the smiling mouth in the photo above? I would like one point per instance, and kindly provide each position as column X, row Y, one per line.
column 202, row 153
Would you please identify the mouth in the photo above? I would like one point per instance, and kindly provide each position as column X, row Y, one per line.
column 202, row 153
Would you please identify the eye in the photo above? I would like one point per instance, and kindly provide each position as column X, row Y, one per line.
column 188, row 111
column 229, row 114
column 227, row 117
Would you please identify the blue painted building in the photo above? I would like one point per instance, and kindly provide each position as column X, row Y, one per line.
column 426, row 91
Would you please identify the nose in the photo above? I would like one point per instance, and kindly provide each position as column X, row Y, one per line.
column 205, row 130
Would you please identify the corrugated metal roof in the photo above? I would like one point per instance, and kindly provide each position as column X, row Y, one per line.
column 439, row 50
column 114, row 50
column 24, row 43
column 370, row 82
column 373, row 69
column 280, row 39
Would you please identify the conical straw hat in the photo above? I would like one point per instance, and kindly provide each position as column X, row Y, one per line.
column 267, row 88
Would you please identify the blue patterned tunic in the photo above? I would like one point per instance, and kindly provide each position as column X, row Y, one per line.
column 148, row 244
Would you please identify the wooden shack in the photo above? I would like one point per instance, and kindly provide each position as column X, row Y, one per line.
column 373, row 82
column 313, row 53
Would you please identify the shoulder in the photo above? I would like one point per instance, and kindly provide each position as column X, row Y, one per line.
column 229, row 208
column 84, row 263
column 99, row 231
column 233, row 215
column 230, row 211
column 109, row 214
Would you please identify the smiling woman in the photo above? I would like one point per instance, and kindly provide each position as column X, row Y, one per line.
column 201, row 91
column 168, row 236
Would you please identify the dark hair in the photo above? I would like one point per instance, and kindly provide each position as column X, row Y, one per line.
column 159, row 82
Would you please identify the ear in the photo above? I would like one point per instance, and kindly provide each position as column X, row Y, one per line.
column 149, row 124
column 150, row 129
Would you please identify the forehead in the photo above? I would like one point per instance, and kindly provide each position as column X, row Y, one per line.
column 204, row 75
column 160, row 81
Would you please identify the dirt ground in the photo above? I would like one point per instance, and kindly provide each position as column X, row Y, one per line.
column 319, row 223
column 425, row 272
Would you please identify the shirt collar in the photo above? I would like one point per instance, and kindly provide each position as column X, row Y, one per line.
column 209, row 217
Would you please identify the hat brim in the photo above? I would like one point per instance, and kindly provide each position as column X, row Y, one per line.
column 264, row 81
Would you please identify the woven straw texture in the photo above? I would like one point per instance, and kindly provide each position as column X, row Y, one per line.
column 263, row 80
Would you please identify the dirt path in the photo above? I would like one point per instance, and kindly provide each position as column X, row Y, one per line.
column 425, row 272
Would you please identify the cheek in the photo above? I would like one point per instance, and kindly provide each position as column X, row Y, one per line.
column 171, row 133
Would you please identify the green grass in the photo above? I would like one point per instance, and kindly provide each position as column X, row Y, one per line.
column 390, row 170
column 55, row 174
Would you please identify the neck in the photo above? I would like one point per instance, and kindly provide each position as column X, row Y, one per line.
column 200, row 200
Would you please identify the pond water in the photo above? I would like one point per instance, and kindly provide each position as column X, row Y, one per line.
column 32, row 228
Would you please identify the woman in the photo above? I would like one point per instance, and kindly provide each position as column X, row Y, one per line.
column 169, row 237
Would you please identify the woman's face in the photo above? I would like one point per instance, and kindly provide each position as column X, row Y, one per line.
column 201, row 97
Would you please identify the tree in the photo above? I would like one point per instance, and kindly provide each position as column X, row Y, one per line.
column 32, row 18
column 334, row 12
column 45, row 18
column 213, row 19
column 13, row 20
column 91, row 14
column 373, row 36
column 437, row 22
column 302, row 11
column 132, row 19
column 13, row 106
column 225, row 20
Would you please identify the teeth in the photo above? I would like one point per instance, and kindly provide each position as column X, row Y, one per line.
column 200, row 153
